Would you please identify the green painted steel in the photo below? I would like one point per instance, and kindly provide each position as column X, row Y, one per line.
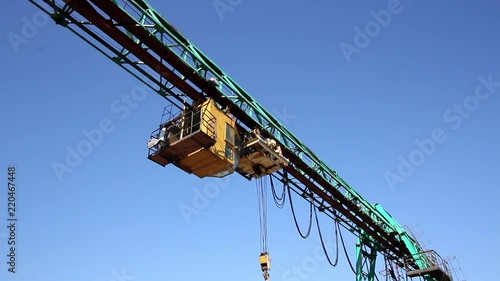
column 146, row 16
column 366, row 256
column 413, row 246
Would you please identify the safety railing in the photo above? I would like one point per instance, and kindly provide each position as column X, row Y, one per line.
column 431, row 263
column 182, row 125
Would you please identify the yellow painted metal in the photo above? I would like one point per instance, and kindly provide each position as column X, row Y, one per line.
column 220, row 158
column 258, row 160
column 261, row 156
column 265, row 261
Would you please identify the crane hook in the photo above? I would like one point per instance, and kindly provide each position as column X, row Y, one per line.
column 265, row 264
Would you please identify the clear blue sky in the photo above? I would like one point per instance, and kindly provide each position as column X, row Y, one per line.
column 361, row 102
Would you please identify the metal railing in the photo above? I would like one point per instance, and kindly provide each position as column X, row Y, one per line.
column 430, row 259
column 182, row 125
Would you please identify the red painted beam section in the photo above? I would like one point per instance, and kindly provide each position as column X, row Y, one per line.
column 121, row 17
column 107, row 26
column 163, row 51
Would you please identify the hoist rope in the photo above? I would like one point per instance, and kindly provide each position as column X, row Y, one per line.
column 262, row 202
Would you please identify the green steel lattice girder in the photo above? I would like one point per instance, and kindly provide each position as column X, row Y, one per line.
column 142, row 19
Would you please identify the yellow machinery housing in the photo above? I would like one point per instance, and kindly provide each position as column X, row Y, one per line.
column 260, row 156
column 201, row 141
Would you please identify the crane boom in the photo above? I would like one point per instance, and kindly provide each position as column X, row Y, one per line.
column 136, row 37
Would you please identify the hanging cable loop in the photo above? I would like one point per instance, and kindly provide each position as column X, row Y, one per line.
column 306, row 235
column 333, row 264
column 279, row 201
column 345, row 250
